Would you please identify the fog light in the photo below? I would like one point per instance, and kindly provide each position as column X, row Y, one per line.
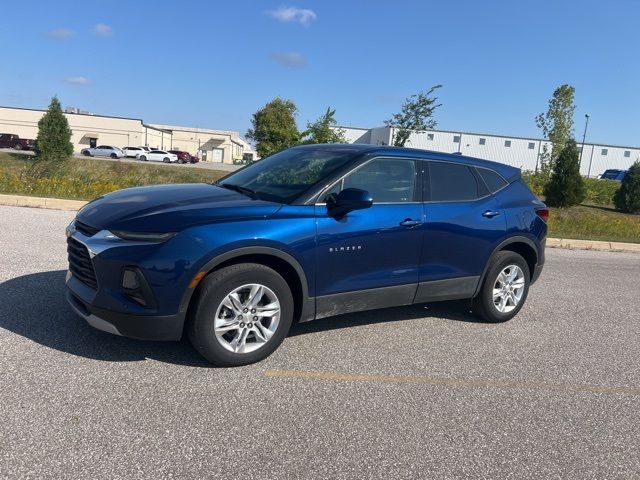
column 130, row 280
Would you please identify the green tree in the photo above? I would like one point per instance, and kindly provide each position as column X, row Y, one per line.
column 416, row 114
column 556, row 125
column 323, row 130
column 566, row 186
column 627, row 198
column 274, row 127
column 54, row 135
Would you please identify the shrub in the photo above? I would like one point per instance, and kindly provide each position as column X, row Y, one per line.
column 600, row 192
column 627, row 199
column 566, row 187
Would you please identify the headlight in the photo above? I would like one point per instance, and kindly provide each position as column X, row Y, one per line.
column 143, row 237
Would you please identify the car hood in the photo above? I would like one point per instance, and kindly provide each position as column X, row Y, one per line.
column 171, row 208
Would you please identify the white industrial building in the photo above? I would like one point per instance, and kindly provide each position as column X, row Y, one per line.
column 521, row 152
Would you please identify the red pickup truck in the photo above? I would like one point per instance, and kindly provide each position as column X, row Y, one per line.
column 9, row 140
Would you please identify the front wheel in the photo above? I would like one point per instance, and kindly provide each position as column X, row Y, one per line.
column 113, row 155
column 504, row 289
column 86, row 153
column 166, row 160
column 17, row 146
column 242, row 314
column 142, row 158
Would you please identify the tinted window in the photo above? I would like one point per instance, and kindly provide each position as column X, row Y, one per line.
column 387, row 180
column 452, row 182
column 494, row 181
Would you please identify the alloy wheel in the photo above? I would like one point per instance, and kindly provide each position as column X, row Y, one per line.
column 508, row 289
column 247, row 318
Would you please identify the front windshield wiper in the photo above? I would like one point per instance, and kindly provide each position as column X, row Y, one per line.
column 240, row 189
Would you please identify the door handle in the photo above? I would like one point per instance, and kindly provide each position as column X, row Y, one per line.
column 408, row 222
column 490, row 213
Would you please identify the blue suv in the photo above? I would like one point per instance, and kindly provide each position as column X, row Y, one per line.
column 306, row 233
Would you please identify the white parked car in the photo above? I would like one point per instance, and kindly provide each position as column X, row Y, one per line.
column 103, row 151
column 133, row 152
column 158, row 156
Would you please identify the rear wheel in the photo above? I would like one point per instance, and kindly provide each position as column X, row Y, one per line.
column 242, row 314
column 504, row 289
column 17, row 146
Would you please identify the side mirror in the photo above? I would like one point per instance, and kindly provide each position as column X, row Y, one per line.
column 348, row 200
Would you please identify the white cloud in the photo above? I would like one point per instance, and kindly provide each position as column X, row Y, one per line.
column 77, row 80
column 102, row 30
column 303, row 16
column 61, row 33
column 289, row 59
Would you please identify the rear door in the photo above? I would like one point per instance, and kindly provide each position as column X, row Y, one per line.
column 463, row 223
column 369, row 258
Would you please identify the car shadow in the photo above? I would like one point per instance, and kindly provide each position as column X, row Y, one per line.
column 34, row 306
column 454, row 310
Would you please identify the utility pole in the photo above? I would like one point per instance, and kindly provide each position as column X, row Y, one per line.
column 584, row 136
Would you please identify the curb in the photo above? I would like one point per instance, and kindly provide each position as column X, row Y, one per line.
column 41, row 202
column 570, row 244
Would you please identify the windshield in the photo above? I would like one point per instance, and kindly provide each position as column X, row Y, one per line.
column 285, row 175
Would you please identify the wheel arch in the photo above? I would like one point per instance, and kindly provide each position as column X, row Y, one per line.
column 283, row 263
column 523, row 246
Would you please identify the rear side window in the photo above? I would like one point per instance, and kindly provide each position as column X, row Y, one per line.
column 452, row 182
column 494, row 181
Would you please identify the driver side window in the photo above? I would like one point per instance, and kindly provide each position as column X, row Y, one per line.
column 388, row 180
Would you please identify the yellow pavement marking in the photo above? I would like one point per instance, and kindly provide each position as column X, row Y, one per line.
column 450, row 382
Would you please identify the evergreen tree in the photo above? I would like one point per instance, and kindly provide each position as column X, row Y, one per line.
column 274, row 127
column 627, row 198
column 323, row 131
column 54, row 135
column 566, row 186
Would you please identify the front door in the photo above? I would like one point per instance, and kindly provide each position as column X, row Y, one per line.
column 369, row 258
column 93, row 142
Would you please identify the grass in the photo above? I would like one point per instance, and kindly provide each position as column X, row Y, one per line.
column 88, row 178
column 592, row 222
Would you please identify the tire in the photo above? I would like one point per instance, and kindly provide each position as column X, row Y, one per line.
column 142, row 158
column 166, row 160
column 113, row 155
column 86, row 153
column 17, row 146
column 507, row 307
column 217, row 347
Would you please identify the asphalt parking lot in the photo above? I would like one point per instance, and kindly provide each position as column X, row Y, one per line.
column 423, row 391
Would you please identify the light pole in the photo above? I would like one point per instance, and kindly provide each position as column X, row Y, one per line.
column 584, row 136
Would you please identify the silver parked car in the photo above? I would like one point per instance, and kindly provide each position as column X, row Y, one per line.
column 103, row 151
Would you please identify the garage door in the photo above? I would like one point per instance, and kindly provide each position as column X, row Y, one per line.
column 217, row 155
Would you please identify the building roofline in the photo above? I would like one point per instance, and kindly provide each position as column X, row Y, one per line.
column 516, row 137
column 73, row 113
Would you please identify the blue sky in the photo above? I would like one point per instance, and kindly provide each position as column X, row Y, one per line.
column 213, row 63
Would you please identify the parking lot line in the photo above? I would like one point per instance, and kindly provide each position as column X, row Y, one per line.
column 451, row 382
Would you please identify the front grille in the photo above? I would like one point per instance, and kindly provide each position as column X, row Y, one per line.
column 80, row 263
column 85, row 229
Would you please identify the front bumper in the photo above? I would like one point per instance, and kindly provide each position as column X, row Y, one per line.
column 141, row 327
